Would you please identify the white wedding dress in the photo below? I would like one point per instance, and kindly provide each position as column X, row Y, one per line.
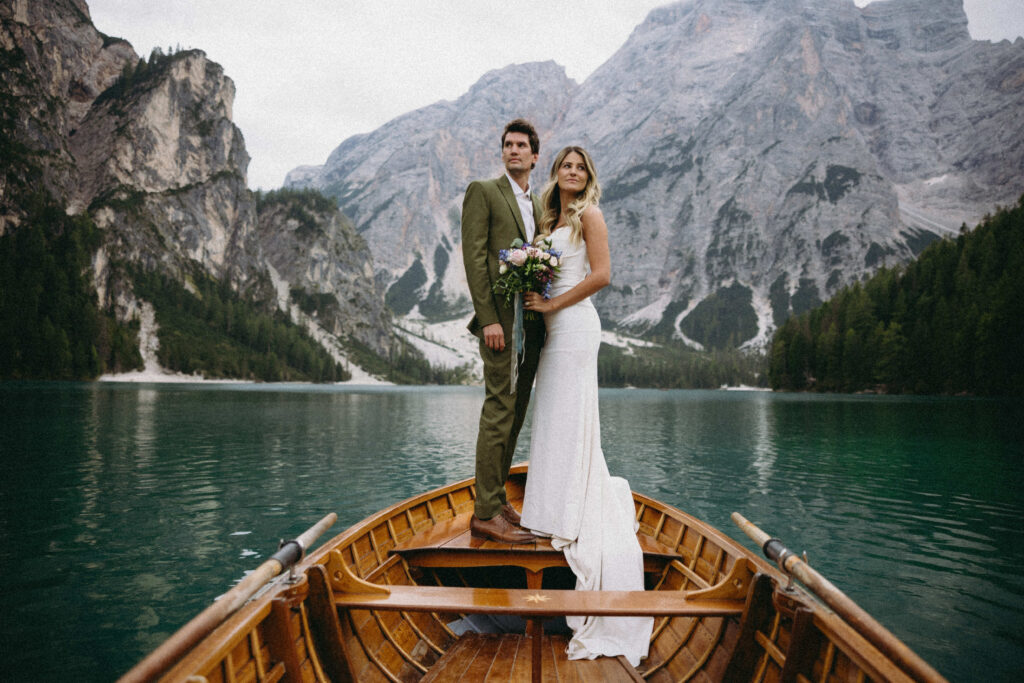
column 570, row 496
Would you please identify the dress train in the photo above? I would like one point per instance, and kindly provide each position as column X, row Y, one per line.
column 570, row 495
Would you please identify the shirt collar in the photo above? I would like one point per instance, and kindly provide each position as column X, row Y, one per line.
column 518, row 191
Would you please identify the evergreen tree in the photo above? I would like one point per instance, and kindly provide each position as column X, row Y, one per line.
column 219, row 334
column 950, row 322
column 51, row 326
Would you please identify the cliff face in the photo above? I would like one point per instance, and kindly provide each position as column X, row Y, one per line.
column 163, row 171
column 401, row 184
column 756, row 155
column 148, row 150
column 313, row 253
column 55, row 64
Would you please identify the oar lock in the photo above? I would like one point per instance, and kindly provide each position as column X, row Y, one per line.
column 288, row 554
column 774, row 549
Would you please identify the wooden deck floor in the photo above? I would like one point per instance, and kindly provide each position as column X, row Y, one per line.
column 497, row 658
column 450, row 544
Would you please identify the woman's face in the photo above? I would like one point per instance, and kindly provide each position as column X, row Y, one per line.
column 572, row 173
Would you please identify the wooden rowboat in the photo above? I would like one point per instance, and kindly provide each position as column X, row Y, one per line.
column 386, row 600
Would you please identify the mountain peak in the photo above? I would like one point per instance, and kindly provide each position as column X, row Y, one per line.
column 756, row 156
column 917, row 25
column 527, row 81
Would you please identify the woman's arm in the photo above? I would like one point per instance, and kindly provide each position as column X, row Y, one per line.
column 595, row 235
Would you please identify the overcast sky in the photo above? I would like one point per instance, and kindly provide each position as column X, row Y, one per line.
column 310, row 73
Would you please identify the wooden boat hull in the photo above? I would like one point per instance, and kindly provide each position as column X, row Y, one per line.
column 357, row 612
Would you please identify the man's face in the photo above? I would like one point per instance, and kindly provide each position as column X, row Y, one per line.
column 516, row 153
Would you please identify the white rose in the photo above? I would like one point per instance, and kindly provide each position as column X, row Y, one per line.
column 553, row 262
column 503, row 268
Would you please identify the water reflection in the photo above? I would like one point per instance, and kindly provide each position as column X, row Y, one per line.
column 132, row 507
column 764, row 444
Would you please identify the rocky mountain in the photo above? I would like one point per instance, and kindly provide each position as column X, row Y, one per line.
column 401, row 184
column 755, row 155
column 319, row 265
column 146, row 149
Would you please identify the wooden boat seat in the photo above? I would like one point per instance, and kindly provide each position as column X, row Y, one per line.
column 346, row 593
column 507, row 657
column 450, row 544
column 526, row 602
column 461, row 661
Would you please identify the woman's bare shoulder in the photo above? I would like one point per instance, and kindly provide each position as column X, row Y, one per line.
column 592, row 219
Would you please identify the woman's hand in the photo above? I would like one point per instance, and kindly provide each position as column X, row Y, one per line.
column 532, row 301
column 595, row 237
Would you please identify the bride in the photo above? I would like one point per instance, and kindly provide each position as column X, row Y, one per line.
column 570, row 496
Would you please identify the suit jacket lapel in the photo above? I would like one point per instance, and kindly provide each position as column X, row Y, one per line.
column 510, row 197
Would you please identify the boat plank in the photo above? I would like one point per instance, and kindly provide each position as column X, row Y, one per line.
column 554, row 662
column 484, row 660
column 504, row 658
column 527, row 602
column 606, row 669
column 513, row 661
column 450, row 544
column 454, row 534
column 452, row 666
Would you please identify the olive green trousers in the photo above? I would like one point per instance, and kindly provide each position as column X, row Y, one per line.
column 502, row 416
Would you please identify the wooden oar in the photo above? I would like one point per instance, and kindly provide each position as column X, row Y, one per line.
column 846, row 608
column 207, row 620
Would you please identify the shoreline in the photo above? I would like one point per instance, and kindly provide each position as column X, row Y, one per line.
column 158, row 377
column 359, row 378
column 153, row 373
column 153, row 376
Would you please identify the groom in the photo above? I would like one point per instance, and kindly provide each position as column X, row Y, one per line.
column 494, row 213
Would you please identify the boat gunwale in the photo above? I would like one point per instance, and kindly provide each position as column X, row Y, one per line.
column 364, row 526
column 232, row 631
column 235, row 628
column 851, row 643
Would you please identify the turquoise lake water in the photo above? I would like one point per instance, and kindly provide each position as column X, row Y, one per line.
column 125, row 509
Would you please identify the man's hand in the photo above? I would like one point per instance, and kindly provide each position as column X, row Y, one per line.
column 494, row 337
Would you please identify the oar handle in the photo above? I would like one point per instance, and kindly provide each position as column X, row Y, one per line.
column 846, row 608
column 750, row 529
column 309, row 536
column 203, row 623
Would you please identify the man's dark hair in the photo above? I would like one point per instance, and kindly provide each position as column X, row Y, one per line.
column 525, row 127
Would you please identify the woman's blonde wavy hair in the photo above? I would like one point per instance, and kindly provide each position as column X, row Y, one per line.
column 551, row 200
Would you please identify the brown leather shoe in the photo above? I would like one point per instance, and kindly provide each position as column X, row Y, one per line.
column 499, row 529
column 509, row 513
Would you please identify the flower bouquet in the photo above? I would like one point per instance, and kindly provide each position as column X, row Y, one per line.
column 526, row 268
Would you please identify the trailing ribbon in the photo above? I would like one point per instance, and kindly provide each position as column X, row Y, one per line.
column 517, row 340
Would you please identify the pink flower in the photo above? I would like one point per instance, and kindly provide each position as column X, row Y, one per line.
column 517, row 257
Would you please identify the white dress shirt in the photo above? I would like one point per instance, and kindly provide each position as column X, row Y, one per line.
column 525, row 207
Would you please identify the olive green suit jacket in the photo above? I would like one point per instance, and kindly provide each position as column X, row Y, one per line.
column 490, row 221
